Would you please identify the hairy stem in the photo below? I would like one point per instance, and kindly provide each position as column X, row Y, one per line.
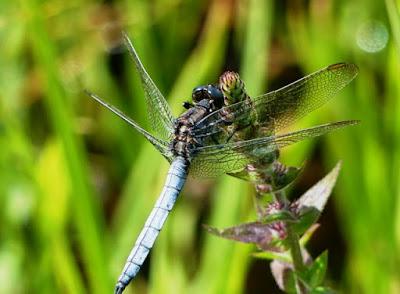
column 294, row 245
column 281, row 197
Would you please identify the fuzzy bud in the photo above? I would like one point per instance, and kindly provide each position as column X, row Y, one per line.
column 232, row 87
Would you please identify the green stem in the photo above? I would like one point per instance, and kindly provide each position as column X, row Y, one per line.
column 281, row 197
column 294, row 245
column 295, row 250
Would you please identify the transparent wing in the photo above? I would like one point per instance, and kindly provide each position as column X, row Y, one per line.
column 159, row 112
column 211, row 161
column 286, row 105
column 161, row 145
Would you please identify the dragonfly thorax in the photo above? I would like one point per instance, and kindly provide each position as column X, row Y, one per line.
column 207, row 99
column 184, row 141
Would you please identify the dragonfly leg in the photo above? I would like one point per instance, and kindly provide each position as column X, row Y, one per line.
column 187, row 105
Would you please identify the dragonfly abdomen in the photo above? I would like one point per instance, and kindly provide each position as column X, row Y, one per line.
column 173, row 185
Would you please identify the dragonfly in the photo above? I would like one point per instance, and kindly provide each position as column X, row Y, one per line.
column 212, row 135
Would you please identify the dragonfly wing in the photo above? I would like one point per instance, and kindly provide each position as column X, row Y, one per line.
column 211, row 161
column 212, row 165
column 159, row 112
column 294, row 101
column 161, row 145
column 286, row 105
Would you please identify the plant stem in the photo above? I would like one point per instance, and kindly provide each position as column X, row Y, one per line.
column 295, row 250
column 294, row 245
column 281, row 197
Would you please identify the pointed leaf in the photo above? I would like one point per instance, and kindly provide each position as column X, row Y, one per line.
column 284, row 273
column 273, row 255
column 312, row 203
column 284, row 276
column 283, row 179
column 308, row 234
column 282, row 215
column 307, row 218
column 316, row 273
column 323, row 290
column 258, row 233
column 318, row 195
column 276, row 176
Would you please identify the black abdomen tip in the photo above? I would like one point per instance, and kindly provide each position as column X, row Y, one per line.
column 119, row 288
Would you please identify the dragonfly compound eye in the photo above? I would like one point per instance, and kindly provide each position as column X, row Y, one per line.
column 216, row 95
column 209, row 92
column 200, row 93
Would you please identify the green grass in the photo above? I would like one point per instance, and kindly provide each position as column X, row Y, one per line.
column 76, row 183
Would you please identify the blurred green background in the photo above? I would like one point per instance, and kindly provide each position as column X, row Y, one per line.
column 76, row 183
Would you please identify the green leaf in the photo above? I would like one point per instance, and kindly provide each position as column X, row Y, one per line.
column 308, row 234
column 272, row 255
column 282, row 180
column 277, row 176
column 322, row 290
column 316, row 273
column 283, row 215
column 307, row 218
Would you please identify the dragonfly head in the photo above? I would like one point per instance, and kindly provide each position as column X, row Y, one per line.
column 209, row 92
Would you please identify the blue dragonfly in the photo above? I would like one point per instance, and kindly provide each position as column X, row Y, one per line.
column 217, row 135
